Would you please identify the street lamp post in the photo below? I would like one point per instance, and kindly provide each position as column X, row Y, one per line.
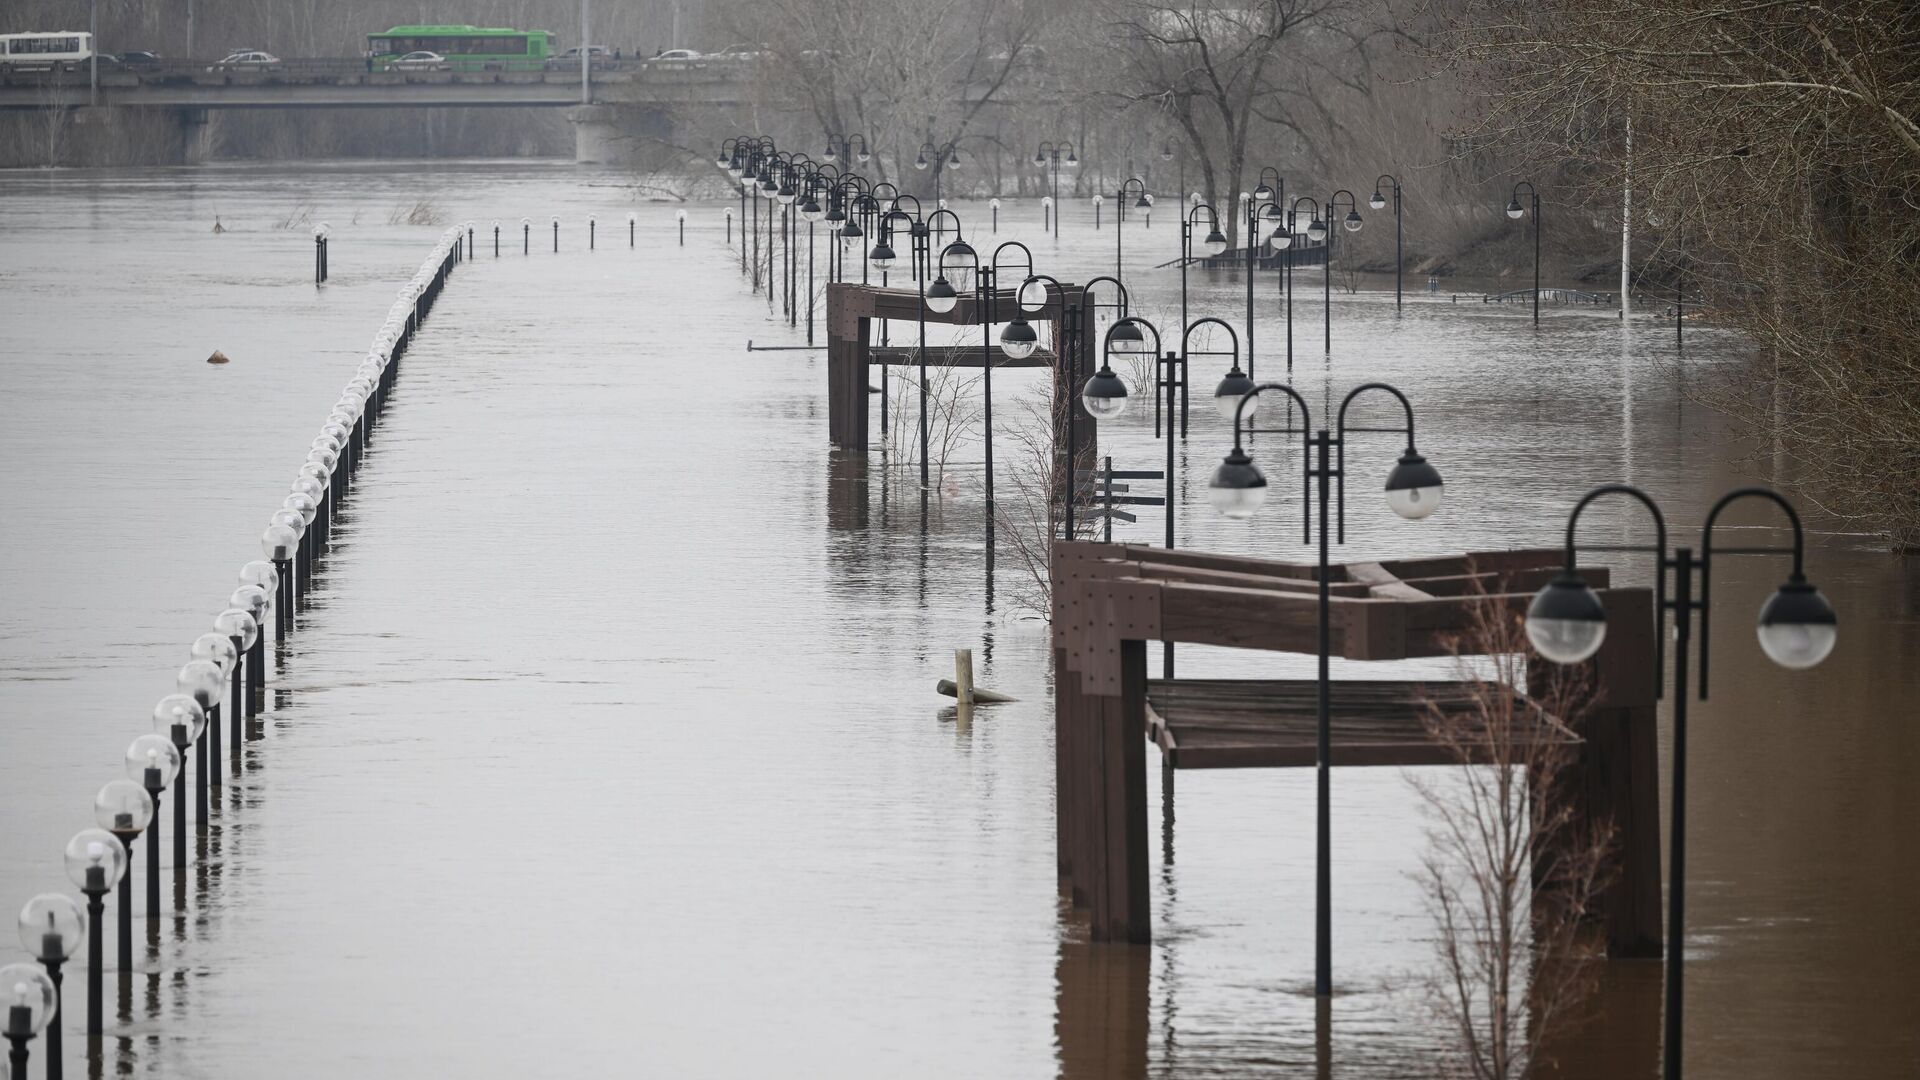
column 946, row 157
column 1379, row 201
column 95, row 864
column 52, row 928
column 1132, row 185
column 1514, row 210
column 1352, row 223
column 1263, row 218
column 124, row 808
column 31, row 999
column 180, row 719
column 153, row 761
column 1797, row 629
column 1237, row 490
column 1047, row 154
column 1214, row 243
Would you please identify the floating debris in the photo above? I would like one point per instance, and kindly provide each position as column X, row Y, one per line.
column 218, row 357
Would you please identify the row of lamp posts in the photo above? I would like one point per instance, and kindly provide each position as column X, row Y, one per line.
column 224, row 678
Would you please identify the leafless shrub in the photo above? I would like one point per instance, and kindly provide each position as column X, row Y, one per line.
column 299, row 215
column 1027, row 511
column 419, row 212
column 953, row 416
column 1512, row 873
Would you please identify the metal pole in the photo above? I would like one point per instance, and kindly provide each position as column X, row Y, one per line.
column 124, row 916
column 1536, row 259
column 1070, row 337
column 154, row 791
column 1399, row 264
column 810, row 289
column 96, row 891
column 1253, row 218
column 237, row 710
column 922, row 279
column 1682, row 604
column 212, row 736
column 56, row 1063
column 1323, row 850
column 181, row 796
column 93, row 58
column 1166, row 658
column 1326, row 277
column 984, row 283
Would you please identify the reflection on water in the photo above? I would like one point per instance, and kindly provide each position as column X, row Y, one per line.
column 609, row 739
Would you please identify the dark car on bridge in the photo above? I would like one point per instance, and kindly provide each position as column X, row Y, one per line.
column 139, row 58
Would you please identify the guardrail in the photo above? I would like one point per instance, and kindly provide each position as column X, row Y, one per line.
column 341, row 67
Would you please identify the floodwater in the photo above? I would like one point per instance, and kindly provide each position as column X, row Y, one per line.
column 608, row 744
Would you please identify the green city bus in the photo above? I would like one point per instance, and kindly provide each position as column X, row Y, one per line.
column 467, row 48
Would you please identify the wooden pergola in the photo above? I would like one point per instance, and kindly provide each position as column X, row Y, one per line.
column 851, row 351
column 1109, row 600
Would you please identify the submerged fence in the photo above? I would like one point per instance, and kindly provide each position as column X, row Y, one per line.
column 225, row 678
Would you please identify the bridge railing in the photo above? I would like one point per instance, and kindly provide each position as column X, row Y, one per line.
column 298, row 69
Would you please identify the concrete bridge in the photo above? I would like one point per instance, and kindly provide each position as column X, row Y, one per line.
column 622, row 100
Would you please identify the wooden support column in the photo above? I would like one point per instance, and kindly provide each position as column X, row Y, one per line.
column 1121, row 908
column 847, row 340
column 1615, row 778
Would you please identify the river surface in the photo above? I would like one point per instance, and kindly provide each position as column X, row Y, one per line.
column 608, row 744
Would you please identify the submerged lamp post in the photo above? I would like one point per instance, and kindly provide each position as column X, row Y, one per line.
column 1351, row 223
column 633, row 224
column 526, row 236
column 496, row 238
column 1516, row 211
column 31, row 1000
column 219, row 650
column 1018, row 340
column 1136, row 187
column 52, row 928
column 1238, row 489
column 178, row 719
column 681, row 217
column 1048, row 154
column 556, row 234
column 95, row 863
column 1378, row 201
column 154, row 762
column 124, row 808
column 1213, row 244
column 200, row 681
column 1797, row 628
column 242, row 630
column 1263, row 221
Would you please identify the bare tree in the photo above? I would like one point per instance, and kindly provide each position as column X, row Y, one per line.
column 1512, row 872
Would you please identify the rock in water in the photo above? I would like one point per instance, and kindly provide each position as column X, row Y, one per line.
column 218, row 357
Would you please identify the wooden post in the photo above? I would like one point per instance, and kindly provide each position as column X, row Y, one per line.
column 1120, row 907
column 1615, row 776
column 963, row 684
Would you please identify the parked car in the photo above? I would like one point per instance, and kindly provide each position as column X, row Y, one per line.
column 677, row 54
column 248, row 58
column 422, row 61
column 744, row 54
column 594, row 52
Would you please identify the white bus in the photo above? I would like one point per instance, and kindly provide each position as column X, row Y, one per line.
column 65, row 50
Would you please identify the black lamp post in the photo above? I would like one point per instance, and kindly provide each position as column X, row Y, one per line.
column 1046, row 155
column 526, row 236
column 963, row 260
column 883, row 257
column 1105, row 396
column 1797, row 629
column 1514, row 210
column 556, row 234
column 1213, row 244
column 593, row 226
column 1263, row 219
column 153, row 761
column 1378, row 202
column 1351, row 222
column 31, row 999
column 1238, row 489
column 96, row 862
column 52, row 928
column 124, row 808
column 496, row 238
column 1136, row 187
column 946, row 157
column 180, row 719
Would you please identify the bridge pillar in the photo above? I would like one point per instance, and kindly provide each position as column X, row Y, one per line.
column 616, row 134
column 196, row 135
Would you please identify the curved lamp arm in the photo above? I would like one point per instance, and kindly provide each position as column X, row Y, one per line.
column 1798, row 551
column 1340, row 441
column 1659, row 551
